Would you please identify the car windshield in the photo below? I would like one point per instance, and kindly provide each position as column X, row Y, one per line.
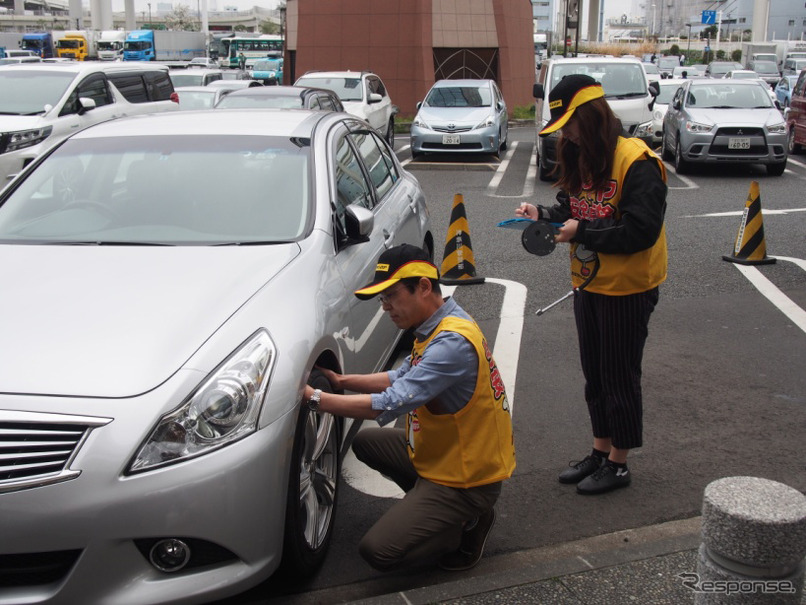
column 187, row 79
column 619, row 80
column 163, row 190
column 727, row 96
column 765, row 67
column 459, row 96
column 723, row 68
column 27, row 92
column 348, row 89
column 196, row 99
column 247, row 101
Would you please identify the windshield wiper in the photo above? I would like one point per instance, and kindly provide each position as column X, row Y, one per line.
column 257, row 243
column 625, row 95
column 99, row 243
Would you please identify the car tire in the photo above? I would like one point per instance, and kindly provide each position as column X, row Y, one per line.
column 776, row 169
column 390, row 133
column 664, row 148
column 504, row 143
column 312, row 488
column 681, row 166
column 792, row 147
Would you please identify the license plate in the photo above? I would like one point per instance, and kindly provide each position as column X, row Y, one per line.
column 450, row 139
column 739, row 143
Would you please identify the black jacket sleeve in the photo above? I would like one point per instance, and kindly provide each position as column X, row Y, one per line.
column 640, row 214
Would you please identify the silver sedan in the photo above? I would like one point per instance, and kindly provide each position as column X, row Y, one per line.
column 460, row 116
column 170, row 286
column 720, row 121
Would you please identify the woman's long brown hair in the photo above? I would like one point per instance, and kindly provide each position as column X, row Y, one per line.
column 591, row 162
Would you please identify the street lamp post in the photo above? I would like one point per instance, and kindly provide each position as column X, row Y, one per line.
column 688, row 50
column 653, row 18
column 150, row 24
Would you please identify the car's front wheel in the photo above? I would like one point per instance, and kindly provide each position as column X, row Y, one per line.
column 390, row 133
column 312, row 488
column 664, row 147
column 681, row 166
column 776, row 169
column 791, row 145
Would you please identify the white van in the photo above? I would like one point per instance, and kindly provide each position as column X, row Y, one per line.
column 626, row 89
column 43, row 103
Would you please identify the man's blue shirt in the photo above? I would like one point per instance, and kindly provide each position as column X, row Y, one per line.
column 446, row 374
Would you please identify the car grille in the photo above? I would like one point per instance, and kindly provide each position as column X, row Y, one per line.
column 453, row 130
column 35, row 569
column 738, row 131
column 36, row 449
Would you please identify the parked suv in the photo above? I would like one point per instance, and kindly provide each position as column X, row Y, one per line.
column 796, row 116
column 362, row 93
column 43, row 103
column 626, row 89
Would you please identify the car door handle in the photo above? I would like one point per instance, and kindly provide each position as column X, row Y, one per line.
column 413, row 204
column 388, row 238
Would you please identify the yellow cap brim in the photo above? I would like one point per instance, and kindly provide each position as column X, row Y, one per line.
column 410, row 269
column 584, row 95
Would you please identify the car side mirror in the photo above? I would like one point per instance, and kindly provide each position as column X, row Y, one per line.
column 677, row 104
column 538, row 92
column 499, row 105
column 359, row 222
column 419, row 104
column 654, row 89
column 374, row 97
column 84, row 105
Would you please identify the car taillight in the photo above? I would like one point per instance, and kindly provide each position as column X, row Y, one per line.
column 175, row 97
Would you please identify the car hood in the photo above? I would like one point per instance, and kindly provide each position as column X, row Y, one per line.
column 739, row 117
column 461, row 116
column 118, row 321
column 356, row 108
column 13, row 123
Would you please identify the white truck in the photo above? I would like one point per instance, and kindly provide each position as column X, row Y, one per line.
column 759, row 51
column 110, row 45
column 10, row 40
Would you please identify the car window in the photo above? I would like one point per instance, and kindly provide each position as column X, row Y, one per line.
column 376, row 86
column 131, row 86
column 347, row 89
column 93, row 87
column 158, row 85
column 351, row 184
column 382, row 170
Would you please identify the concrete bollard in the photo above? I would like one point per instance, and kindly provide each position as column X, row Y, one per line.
column 753, row 543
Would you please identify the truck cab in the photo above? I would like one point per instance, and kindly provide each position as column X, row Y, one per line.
column 40, row 43
column 139, row 46
column 73, row 45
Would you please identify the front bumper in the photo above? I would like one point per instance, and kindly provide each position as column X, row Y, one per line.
column 478, row 140
column 710, row 148
column 229, row 502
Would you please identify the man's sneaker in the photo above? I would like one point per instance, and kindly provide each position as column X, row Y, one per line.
column 472, row 546
column 579, row 470
column 605, row 479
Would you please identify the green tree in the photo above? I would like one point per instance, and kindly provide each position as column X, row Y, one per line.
column 181, row 18
column 674, row 50
column 267, row 26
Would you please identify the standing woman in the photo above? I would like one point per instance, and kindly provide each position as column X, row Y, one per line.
column 611, row 202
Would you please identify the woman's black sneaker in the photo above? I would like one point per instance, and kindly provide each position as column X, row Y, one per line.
column 579, row 470
column 605, row 479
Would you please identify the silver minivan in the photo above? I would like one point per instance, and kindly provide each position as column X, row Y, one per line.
column 626, row 89
column 43, row 103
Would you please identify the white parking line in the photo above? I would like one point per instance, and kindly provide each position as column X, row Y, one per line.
column 785, row 304
column 506, row 352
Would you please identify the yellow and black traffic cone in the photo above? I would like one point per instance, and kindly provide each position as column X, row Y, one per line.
column 750, row 248
column 458, row 264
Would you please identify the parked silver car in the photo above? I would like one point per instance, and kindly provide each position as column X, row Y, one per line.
column 721, row 121
column 172, row 282
column 460, row 116
column 289, row 97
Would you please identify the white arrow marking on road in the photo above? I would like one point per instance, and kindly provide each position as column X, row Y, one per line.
column 506, row 353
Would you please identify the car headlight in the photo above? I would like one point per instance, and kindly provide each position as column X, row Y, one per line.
column 779, row 128
column 657, row 115
column 420, row 123
column 697, row 127
column 643, row 130
column 222, row 410
column 486, row 122
column 27, row 138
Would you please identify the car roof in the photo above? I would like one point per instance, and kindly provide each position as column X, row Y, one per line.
column 594, row 60
column 211, row 122
column 336, row 74
column 83, row 68
column 209, row 89
column 729, row 82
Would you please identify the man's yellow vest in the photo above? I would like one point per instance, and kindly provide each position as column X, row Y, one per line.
column 475, row 445
column 619, row 274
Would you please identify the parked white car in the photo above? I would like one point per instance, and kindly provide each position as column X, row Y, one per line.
column 362, row 93
column 667, row 88
column 43, row 103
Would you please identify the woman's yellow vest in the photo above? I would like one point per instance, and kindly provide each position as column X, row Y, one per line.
column 475, row 445
column 619, row 274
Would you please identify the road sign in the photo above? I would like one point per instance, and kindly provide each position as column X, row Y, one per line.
column 708, row 17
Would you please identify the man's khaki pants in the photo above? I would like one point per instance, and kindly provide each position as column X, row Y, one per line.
column 428, row 521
